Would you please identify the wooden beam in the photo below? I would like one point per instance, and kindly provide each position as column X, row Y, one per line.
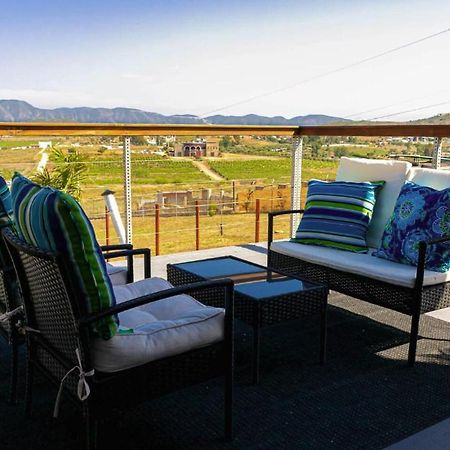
column 377, row 130
column 104, row 129
column 95, row 129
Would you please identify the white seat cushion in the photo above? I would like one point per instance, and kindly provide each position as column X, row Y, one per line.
column 392, row 172
column 159, row 329
column 359, row 263
column 436, row 179
column 117, row 274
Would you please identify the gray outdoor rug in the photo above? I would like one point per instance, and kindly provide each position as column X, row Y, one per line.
column 364, row 397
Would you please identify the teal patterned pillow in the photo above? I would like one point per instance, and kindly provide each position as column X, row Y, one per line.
column 52, row 220
column 420, row 214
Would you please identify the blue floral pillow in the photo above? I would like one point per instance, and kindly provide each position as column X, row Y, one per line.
column 420, row 214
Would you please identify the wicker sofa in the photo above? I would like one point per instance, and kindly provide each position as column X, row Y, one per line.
column 403, row 288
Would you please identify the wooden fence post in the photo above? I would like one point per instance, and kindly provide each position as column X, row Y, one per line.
column 257, row 221
column 197, row 225
column 107, row 225
column 156, row 229
column 233, row 202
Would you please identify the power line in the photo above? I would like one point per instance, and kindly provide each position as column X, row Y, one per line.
column 325, row 74
column 397, row 103
column 410, row 110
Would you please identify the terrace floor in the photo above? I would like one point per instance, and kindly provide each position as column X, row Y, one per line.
column 364, row 397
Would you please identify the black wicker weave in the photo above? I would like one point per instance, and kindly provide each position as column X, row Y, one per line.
column 412, row 301
column 269, row 311
column 10, row 301
column 58, row 327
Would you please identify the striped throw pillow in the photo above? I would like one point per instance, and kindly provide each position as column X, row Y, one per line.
column 53, row 221
column 337, row 214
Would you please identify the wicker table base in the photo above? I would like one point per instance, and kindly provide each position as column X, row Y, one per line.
column 260, row 296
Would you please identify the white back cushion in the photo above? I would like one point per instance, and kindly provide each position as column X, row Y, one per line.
column 436, row 179
column 392, row 172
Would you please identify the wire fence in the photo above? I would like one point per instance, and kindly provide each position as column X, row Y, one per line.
column 196, row 228
column 177, row 207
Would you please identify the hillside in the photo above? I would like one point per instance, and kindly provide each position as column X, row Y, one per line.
column 435, row 120
column 20, row 111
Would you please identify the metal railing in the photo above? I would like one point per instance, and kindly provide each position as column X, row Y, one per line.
column 437, row 131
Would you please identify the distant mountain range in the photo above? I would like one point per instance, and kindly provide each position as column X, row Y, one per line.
column 21, row 111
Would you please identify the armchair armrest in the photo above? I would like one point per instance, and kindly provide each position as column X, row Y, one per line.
column 273, row 214
column 422, row 255
column 129, row 253
column 140, row 301
column 108, row 248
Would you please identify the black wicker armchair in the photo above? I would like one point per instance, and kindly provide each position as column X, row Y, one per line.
column 412, row 301
column 11, row 314
column 60, row 343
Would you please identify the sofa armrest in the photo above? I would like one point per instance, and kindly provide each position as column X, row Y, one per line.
column 422, row 255
column 271, row 216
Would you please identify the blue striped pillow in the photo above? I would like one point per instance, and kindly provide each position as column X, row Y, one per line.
column 337, row 214
column 52, row 220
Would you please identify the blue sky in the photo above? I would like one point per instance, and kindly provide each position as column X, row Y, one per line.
column 178, row 57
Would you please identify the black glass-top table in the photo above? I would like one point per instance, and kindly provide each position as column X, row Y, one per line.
column 262, row 296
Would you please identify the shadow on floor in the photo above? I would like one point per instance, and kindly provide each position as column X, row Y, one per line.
column 364, row 397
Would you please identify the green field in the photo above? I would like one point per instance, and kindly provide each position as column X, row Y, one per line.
column 10, row 143
column 276, row 169
column 144, row 171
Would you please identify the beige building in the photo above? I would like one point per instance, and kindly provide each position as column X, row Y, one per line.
column 197, row 149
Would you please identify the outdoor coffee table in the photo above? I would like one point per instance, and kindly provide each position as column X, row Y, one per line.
column 262, row 296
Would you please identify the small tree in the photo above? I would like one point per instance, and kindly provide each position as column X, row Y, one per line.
column 67, row 174
column 339, row 152
column 248, row 199
column 225, row 142
column 138, row 140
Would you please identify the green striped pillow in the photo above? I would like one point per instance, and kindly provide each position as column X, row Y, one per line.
column 338, row 214
column 53, row 221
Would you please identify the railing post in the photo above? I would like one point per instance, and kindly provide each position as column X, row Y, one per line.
column 296, row 180
column 127, row 188
column 257, row 217
column 106, row 225
column 156, row 229
column 437, row 153
column 197, row 225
